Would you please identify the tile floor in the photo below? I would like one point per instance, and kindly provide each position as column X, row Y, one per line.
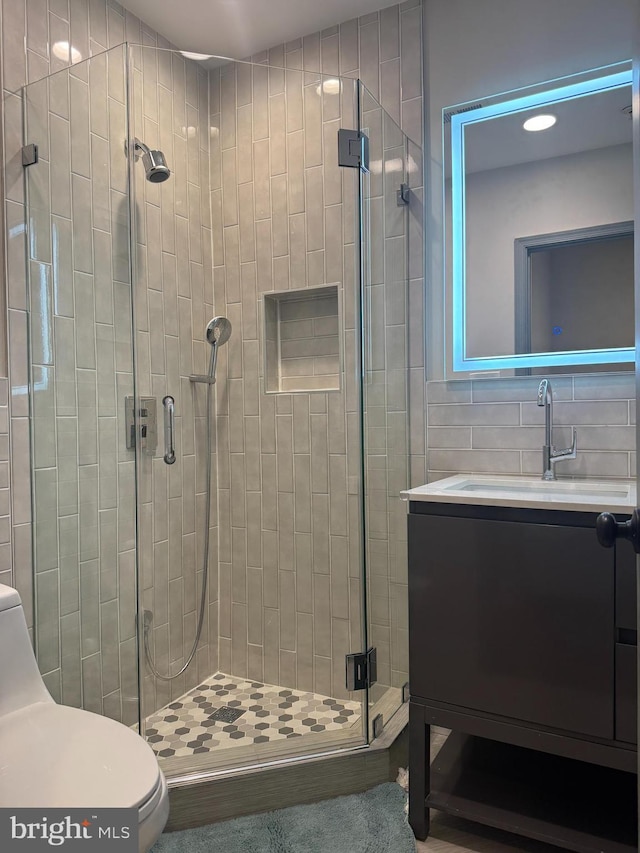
column 226, row 711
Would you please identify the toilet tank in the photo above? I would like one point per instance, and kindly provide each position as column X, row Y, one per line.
column 20, row 680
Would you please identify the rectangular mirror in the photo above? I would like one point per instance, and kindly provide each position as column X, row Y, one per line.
column 541, row 231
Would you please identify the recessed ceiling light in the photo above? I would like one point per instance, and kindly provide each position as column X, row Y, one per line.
column 541, row 122
column 199, row 57
column 66, row 52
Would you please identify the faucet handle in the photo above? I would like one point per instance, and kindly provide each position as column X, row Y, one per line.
column 569, row 452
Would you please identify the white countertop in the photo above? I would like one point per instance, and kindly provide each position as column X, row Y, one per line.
column 529, row 492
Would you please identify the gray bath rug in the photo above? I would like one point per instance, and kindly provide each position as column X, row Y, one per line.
column 373, row 822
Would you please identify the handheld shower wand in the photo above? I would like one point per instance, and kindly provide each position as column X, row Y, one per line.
column 217, row 334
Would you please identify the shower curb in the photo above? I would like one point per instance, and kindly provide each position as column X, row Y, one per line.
column 308, row 780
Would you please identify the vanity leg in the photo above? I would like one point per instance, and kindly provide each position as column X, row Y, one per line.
column 419, row 739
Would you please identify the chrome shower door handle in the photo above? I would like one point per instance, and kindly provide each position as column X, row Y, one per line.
column 169, row 430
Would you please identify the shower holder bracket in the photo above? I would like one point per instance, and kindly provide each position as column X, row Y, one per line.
column 206, row 380
column 146, row 423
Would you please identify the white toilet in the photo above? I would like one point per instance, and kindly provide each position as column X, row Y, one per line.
column 54, row 756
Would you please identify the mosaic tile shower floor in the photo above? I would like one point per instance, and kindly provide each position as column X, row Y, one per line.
column 225, row 711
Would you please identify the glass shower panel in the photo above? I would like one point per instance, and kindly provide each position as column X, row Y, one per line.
column 81, row 368
column 259, row 224
column 387, row 200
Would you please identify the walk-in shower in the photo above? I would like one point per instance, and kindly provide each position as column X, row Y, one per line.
column 210, row 579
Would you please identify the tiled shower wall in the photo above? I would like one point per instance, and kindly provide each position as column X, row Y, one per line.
column 6, row 574
column 289, row 570
column 283, row 217
column 88, row 287
column 370, row 47
column 495, row 426
column 174, row 301
column 80, row 333
column 29, row 30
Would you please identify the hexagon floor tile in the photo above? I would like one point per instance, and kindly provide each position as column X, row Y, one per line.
column 253, row 713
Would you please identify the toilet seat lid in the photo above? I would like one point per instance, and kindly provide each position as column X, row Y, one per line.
column 56, row 756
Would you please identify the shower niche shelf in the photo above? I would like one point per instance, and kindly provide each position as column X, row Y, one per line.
column 302, row 340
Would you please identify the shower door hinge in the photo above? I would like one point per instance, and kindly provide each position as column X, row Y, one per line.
column 353, row 149
column 29, row 154
column 362, row 669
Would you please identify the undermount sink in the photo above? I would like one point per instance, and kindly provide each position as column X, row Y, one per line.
column 577, row 495
column 551, row 488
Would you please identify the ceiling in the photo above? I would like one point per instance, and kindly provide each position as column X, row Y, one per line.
column 586, row 123
column 240, row 28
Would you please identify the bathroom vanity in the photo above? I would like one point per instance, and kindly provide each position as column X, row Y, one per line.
column 522, row 635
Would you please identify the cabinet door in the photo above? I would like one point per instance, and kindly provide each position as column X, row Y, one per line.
column 625, row 586
column 513, row 619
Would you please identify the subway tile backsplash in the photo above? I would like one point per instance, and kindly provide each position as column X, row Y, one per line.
column 495, row 425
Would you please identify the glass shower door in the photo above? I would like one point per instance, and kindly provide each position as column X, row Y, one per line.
column 391, row 203
column 81, row 368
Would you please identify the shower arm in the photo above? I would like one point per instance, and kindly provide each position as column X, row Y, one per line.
column 139, row 148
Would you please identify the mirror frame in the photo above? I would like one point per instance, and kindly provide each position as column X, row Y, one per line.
column 459, row 121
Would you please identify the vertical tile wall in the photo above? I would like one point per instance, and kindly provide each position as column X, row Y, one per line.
column 29, row 30
column 80, row 332
column 288, row 471
column 174, row 302
column 6, row 575
column 384, row 49
column 97, row 649
column 284, row 217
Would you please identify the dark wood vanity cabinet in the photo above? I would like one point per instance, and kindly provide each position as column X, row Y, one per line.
column 625, row 656
column 521, row 631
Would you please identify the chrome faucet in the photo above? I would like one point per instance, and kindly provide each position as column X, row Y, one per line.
column 549, row 454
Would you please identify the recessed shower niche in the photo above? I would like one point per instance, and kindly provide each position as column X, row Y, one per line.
column 302, row 340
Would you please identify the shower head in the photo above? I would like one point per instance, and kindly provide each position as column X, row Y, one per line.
column 218, row 331
column 154, row 162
